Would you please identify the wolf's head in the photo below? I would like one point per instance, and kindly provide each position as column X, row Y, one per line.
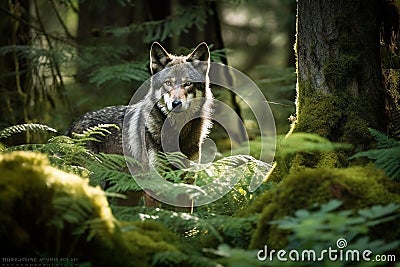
column 178, row 80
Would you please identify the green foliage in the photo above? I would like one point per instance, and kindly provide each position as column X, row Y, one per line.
column 306, row 149
column 386, row 155
column 112, row 168
column 125, row 72
column 213, row 234
column 235, row 176
column 130, row 71
column 278, row 85
column 71, row 155
column 9, row 131
column 356, row 187
column 235, row 257
column 287, row 146
column 305, row 142
column 174, row 25
column 40, row 56
column 90, row 133
column 320, row 228
column 48, row 212
column 200, row 229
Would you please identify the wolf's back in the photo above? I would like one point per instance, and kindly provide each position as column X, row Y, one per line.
column 111, row 143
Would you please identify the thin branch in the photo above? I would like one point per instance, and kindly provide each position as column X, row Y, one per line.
column 69, row 35
column 75, row 9
column 32, row 26
column 57, row 68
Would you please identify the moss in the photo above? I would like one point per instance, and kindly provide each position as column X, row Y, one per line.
column 45, row 211
column 334, row 117
column 337, row 70
column 357, row 187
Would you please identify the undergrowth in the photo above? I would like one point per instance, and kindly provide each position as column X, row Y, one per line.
column 214, row 234
column 386, row 155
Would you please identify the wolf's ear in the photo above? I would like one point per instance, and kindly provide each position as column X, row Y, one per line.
column 159, row 58
column 200, row 57
column 200, row 53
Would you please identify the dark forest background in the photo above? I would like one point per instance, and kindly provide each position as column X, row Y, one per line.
column 63, row 58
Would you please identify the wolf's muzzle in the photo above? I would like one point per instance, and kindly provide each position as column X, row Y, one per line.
column 176, row 103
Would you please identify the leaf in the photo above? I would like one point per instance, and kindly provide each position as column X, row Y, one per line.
column 9, row 131
column 127, row 72
column 386, row 156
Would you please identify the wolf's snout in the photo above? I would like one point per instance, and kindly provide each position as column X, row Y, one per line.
column 176, row 103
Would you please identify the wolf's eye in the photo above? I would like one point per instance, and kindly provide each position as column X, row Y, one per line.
column 168, row 83
column 186, row 84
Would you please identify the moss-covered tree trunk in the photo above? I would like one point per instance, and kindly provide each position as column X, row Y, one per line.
column 339, row 92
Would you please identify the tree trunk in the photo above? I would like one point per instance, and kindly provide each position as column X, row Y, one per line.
column 339, row 91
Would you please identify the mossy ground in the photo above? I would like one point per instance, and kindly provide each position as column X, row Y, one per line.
column 47, row 212
column 357, row 187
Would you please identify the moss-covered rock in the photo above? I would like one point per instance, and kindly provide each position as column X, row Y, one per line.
column 357, row 187
column 45, row 211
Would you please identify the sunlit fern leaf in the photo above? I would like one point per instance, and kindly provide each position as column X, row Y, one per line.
column 238, row 170
column 9, row 131
column 194, row 227
column 89, row 133
column 62, row 153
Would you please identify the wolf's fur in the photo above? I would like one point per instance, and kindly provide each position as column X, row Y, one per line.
column 179, row 91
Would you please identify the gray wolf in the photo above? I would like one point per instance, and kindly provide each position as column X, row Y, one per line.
column 179, row 100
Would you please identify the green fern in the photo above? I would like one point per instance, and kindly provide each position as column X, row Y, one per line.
column 125, row 72
column 129, row 72
column 71, row 155
column 90, row 133
column 62, row 152
column 218, row 55
column 9, row 131
column 43, row 57
column 386, row 156
column 174, row 25
column 319, row 229
column 113, row 168
column 198, row 228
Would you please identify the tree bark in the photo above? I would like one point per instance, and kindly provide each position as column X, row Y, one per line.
column 339, row 90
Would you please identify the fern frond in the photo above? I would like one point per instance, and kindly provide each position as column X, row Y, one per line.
column 9, row 131
column 383, row 140
column 63, row 153
column 193, row 228
column 113, row 168
column 218, row 55
column 125, row 72
column 174, row 25
column 386, row 156
column 87, row 135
